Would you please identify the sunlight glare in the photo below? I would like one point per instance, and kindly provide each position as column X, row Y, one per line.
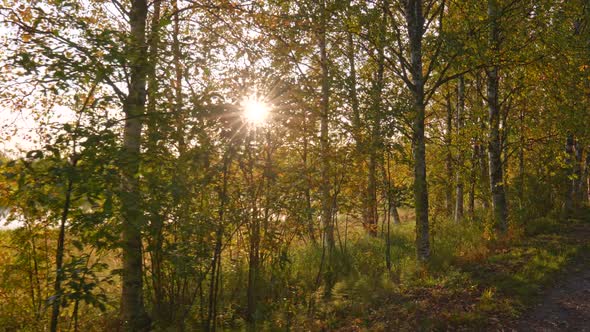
column 256, row 111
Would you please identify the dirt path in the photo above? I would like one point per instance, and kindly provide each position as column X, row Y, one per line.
column 566, row 306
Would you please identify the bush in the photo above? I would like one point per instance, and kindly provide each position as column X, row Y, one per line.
column 542, row 225
column 452, row 242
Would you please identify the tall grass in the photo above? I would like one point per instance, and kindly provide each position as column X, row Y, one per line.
column 364, row 282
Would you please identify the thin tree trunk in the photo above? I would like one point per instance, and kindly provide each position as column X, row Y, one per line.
column 352, row 91
column 392, row 203
column 253, row 267
column 216, row 264
column 157, row 222
column 579, row 173
column 371, row 213
column 482, row 154
column 324, row 151
column 374, row 149
column 324, row 139
column 178, row 72
column 459, row 171
column 57, row 300
column 216, row 291
column 585, row 179
column 307, row 190
column 356, row 121
column 521, row 170
column 181, row 176
column 133, row 315
column 254, row 241
column 495, row 144
column 415, row 21
column 152, row 90
column 472, row 180
column 449, row 157
column 569, row 192
column 391, row 210
column 484, row 176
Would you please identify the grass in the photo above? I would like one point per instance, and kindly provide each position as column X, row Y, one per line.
column 517, row 275
column 472, row 282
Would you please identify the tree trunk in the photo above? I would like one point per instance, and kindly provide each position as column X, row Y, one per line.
column 357, row 125
column 449, row 157
column 585, row 179
column 152, row 90
column 389, row 185
column 472, row 180
column 352, row 91
column 308, row 184
column 415, row 21
column 371, row 213
column 133, row 315
column 254, row 240
column 376, row 140
column 482, row 154
column 459, row 171
column 484, row 176
column 568, row 205
column 57, row 299
column 579, row 173
column 253, row 267
column 178, row 100
column 157, row 220
column 327, row 219
column 521, row 170
column 494, row 143
column 216, row 262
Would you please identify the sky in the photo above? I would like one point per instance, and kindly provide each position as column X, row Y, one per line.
column 20, row 130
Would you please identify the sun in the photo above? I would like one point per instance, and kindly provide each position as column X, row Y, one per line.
column 255, row 111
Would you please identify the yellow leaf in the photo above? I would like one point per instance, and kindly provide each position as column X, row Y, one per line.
column 26, row 14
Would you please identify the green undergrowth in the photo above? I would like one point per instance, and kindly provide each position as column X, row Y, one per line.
column 471, row 282
column 513, row 276
column 367, row 295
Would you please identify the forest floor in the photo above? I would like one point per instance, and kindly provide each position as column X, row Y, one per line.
column 537, row 282
column 565, row 306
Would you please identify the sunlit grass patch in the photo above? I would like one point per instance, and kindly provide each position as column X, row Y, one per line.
column 513, row 276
